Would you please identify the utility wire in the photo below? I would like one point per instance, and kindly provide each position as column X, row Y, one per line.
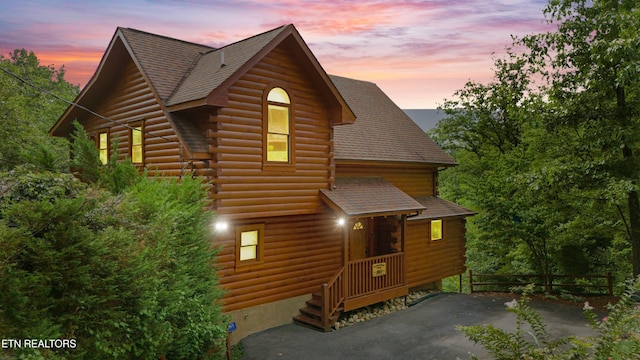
column 77, row 105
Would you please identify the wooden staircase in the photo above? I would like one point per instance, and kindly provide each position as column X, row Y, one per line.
column 311, row 314
column 325, row 306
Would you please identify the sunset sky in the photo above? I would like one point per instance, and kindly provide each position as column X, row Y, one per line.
column 418, row 51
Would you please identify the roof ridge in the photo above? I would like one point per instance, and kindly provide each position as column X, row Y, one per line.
column 201, row 54
column 352, row 79
column 253, row 36
column 166, row 37
column 200, row 66
column 186, row 74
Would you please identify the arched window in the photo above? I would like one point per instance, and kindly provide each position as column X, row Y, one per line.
column 278, row 134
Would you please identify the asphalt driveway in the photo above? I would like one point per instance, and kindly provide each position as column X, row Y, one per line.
column 423, row 331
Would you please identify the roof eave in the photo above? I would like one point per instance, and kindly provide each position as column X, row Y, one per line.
column 63, row 125
column 438, row 164
column 341, row 113
column 349, row 215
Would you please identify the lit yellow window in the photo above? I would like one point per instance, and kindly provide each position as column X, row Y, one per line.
column 249, row 243
column 103, row 147
column 436, row 229
column 136, row 145
column 278, row 128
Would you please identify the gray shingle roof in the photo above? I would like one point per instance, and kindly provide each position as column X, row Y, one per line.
column 440, row 208
column 163, row 60
column 208, row 72
column 382, row 131
column 181, row 71
column 360, row 196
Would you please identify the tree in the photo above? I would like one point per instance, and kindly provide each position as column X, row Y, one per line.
column 592, row 66
column 27, row 113
column 128, row 276
column 547, row 149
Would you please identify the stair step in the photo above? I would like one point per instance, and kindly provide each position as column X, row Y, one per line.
column 317, row 303
column 307, row 321
column 311, row 315
column 312, row 312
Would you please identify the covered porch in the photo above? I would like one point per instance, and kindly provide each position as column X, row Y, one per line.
column 373, row 215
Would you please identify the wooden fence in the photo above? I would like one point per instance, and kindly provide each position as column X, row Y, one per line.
column 547, row 282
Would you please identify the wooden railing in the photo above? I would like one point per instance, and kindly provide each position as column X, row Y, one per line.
column 501, row 281
column 366, row 275
column 332, row 297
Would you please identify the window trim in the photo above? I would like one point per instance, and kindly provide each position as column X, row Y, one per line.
column 243, row 265
column 278, row 165
column 431, row 224
column 132, row 128
column 108, row 144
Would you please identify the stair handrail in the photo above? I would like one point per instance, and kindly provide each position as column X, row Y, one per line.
column 332, row 297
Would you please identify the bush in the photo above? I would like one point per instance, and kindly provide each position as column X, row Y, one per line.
column 618, row 334
column 126, row 276
column 115, row 176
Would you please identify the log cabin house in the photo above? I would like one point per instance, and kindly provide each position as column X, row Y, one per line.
column 325, row 192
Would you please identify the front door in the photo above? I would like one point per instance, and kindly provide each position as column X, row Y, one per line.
column 359, row 239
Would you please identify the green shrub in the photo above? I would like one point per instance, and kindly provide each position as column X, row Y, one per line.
column 618, row 334
column 85, row 159
column 116, row 175
column 128, row 276
column 25, row 184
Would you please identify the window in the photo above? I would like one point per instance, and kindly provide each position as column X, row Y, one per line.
column 278, row 134
column 436, row 229
column 249, row 241
column 103, row 147
column 249, row 245
column 136, row 142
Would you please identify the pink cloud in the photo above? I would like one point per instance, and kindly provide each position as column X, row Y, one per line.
column 412, row 48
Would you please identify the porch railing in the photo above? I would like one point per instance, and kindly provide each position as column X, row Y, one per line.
column 332, row 297
column 374, row 274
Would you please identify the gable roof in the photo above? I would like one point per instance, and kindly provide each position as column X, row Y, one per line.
column 163, row 60
column 382, row 131
column 184, row 75
column 209, row 71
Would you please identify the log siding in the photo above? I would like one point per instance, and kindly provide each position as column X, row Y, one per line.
column 130, row 101
column 428, row 260
column 300, row 253
column 244, row 185
column 414, row 179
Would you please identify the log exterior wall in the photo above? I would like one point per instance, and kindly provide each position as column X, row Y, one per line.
column 244, row 186
column 130, row 100
column 428, row 260
column 300, row 253
column 302, row 244
column 413, row 179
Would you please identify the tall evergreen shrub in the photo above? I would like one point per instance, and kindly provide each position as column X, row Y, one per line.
column 128, row 276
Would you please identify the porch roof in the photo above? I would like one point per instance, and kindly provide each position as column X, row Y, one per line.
column 373, row 196
column 440, row 208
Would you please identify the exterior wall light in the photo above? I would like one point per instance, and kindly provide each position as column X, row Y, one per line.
column 341, row 221
column 221, row 225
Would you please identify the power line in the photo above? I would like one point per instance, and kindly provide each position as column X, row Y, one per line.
column 71, row 103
